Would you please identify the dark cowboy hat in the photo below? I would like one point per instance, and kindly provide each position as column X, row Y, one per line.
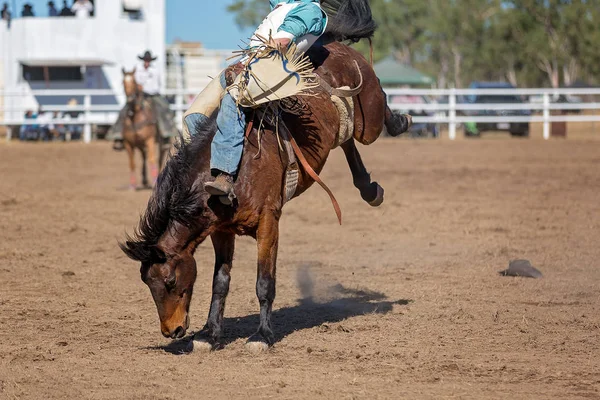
column 51, row 3
column 147, row 56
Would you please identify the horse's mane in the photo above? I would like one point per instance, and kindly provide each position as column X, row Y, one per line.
column 175, row 198
column 349, row 20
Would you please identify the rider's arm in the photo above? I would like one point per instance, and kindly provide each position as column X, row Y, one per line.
column 275, row 3
column 305, row 19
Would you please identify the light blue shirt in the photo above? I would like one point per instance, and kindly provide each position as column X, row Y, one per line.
column 306, row 19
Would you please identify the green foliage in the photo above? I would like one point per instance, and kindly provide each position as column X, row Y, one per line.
column 525, row 42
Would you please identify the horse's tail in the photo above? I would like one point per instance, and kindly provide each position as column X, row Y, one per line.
column 349, row 20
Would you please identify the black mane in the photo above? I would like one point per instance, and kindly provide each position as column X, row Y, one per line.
column 349, row 20
column 175, row 198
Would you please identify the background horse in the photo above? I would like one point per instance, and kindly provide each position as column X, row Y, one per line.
column 181, row 215
column 140, row 131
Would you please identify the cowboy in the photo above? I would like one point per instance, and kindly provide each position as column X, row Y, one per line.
column 5, row 14
column 52, row 11
column 82, row 8
column 27, row 11
column 300, row 22
column 148, row 77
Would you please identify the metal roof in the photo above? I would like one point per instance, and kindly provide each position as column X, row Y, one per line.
column 64, row 63
column 392, row 72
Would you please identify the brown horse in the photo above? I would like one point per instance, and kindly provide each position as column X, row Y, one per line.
column 140, row 131
column 180, row 214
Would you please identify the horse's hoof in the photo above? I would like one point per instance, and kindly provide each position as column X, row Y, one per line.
column 257, row 347
column 200, row 346
column 378, row 198
column 118, row 145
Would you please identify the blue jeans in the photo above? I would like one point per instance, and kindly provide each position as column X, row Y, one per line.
column 228, row 144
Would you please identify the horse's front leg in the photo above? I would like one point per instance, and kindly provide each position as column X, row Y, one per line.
column 267, row 238
column 144, row 168
column 131, row 155
column 151, row 147
column 371, row 192
column 209, row 337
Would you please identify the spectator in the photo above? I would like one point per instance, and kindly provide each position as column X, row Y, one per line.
column 6, row 14
column 82, row 8
column 43, row 120
column 27, row 11
column 66, row 11
column 57, row 131
column 74, row 131
column 52, row 11
column 29, row 131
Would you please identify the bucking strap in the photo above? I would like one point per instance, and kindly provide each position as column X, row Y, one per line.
column 342, row 92
column 311, row 172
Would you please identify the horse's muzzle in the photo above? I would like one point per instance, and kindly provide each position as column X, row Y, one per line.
column 176, row 332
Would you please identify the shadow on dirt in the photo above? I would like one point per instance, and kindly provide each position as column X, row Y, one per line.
column 309, row 313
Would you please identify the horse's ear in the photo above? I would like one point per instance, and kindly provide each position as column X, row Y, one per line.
column 133, row 72
column 123, row 71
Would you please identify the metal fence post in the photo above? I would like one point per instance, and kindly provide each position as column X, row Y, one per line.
column 8, row 133
column 87, row 128
column 179, row 112
column 452, row 114
column 546, row 116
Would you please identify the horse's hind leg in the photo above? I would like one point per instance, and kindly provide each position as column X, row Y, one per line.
column 371, row 192
column 267, row 237
column 208, row 338
column 131, row 154
column 396, row 123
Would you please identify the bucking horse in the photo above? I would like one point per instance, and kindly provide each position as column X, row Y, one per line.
column 181, row 214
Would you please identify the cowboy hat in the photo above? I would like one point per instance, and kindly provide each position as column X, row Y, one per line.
column 147, row 56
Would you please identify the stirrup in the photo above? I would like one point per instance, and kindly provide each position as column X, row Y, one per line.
column 118, row 145
column 227, row 200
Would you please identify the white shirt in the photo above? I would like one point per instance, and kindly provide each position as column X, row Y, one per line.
column 270, row 28
column 148, row 79
column 82, row 9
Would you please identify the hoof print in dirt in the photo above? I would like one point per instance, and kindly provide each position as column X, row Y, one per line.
column 521, row 268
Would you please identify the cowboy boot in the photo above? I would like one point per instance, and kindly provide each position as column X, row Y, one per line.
column 222, row 186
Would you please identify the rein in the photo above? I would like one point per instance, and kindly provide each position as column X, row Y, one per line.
column 139, row 101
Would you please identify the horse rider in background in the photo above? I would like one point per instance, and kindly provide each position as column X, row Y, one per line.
column 148, row 78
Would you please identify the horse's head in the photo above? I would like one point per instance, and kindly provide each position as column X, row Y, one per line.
column 171, row 282
column 130, row 85
column 169, row 270
column 167, row 235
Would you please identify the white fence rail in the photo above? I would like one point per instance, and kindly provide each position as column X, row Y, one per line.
column 444, row 110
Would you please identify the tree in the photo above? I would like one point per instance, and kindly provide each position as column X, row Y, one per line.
column 526, row 42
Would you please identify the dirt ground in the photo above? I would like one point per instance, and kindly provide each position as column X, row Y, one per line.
column 403, row 301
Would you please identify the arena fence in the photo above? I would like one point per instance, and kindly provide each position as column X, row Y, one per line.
column 439, row 106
